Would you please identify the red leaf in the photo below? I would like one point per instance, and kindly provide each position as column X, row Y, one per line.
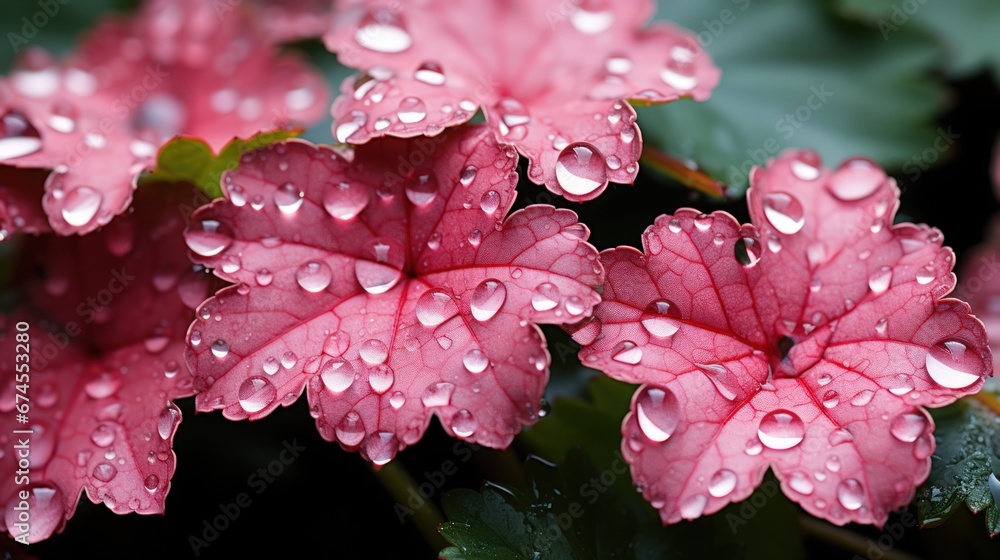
column 806, row 342
column 560, row 99
column 106, row 362
column 98, row 117
column 389, row 284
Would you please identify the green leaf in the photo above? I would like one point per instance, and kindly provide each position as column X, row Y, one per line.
column 595, row 425
column 965, row 465
column 868, row 96
column 968, row 29
column 191, row 160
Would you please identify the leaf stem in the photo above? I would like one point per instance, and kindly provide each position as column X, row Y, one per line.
column 400, row 485
column 682, row 172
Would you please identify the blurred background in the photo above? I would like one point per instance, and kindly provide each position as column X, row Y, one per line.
column 911, row 84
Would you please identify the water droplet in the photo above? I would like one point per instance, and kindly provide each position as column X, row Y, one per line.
column 337, row 375
column 397, row 400
column 723, row 380
column 753, row 447
column 288, row 198
column 105, row 472
column 463, row 423
column 18, row 137
column 592, row 17
column 487, row 299
column 468, row 176
column 850, row 494
column 373, row 351
column 831, row 399
column 949, row 365
column 545, row 297
column 434, row 307
column 627, row 353
column 489, row 202
column 152, row 482
column 475, row 237
column 800, row 483
column 380, row 378
column 345, row 200
column 208, row 237
column 781, row 429
column 575, row 306
column 103, row 435
column 475, row 361
column 901, row 385
column 693, row 507
column 839, row 436
column 513, row 119
column 375, row 277
column 383, row 31
column 438, row 394
column 580, row 169
column 411, row 110
column 104, row 384
column 856, row 178
column 220, row 348
column 618, row 64
column 657, row 412
column 908, row 427
column 678, row 72
column 351, row 429
column 748, row 251
column 863, row 397
column 661, row 318
column 270, row 365
column 430, row 72
column 805, row 166
column 926, row 275
column 167, row 421
column 784, row 212
column 256, row 394
column 345, row 129
column 880, row 280
column 722, row 483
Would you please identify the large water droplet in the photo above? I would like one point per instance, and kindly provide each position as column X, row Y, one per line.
column 862, row 398
column 374, row 351
column 103, row 435
column 351, row 429
column 105, row 472
column 908, row 427
column 657, row 411
column 463, row 423
column 438, row 394
column 487, row 299
column 880, row 280
column 800, row 483
column 781, row 429
column 104, row 384
column 421, row 188
column 661, row 318
column 468, row 175
column 434, row 307
column 748, row 251
column 347, row 128
column 376, row 278
column 18, row 137
column 380, row 378
column 580, row 169
column 337, row 375
column 220, row 348
column 723, row 380
column 693, row 507
column 383, row 31
column 627, row 352
column 314, row 276
column 850, row 494
column 80, row 205
column 167, row 421
column 381, row 447
column 475, row 361
column 678, row 71
column 430, row 72
column 856, row 179
column 722, row 483
column 949, row 365
column 345, row 200
column 592, row 17
column 288, row 198
column 514, row 118
column 489, row 202
column 545, row 297
column 256, row 393
column 208, row 237
column 784, row 211
column 411, row 110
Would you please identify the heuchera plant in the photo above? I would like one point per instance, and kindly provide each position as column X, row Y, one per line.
column 97, row 118
column 107, row 315
column 560, row 98
column 390, row 297
column 807, row 341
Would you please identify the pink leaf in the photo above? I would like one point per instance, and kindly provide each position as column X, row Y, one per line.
column 98, row 118
column 106, row 361
column 806, row 342
column 390, row 285
column 560, row 99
